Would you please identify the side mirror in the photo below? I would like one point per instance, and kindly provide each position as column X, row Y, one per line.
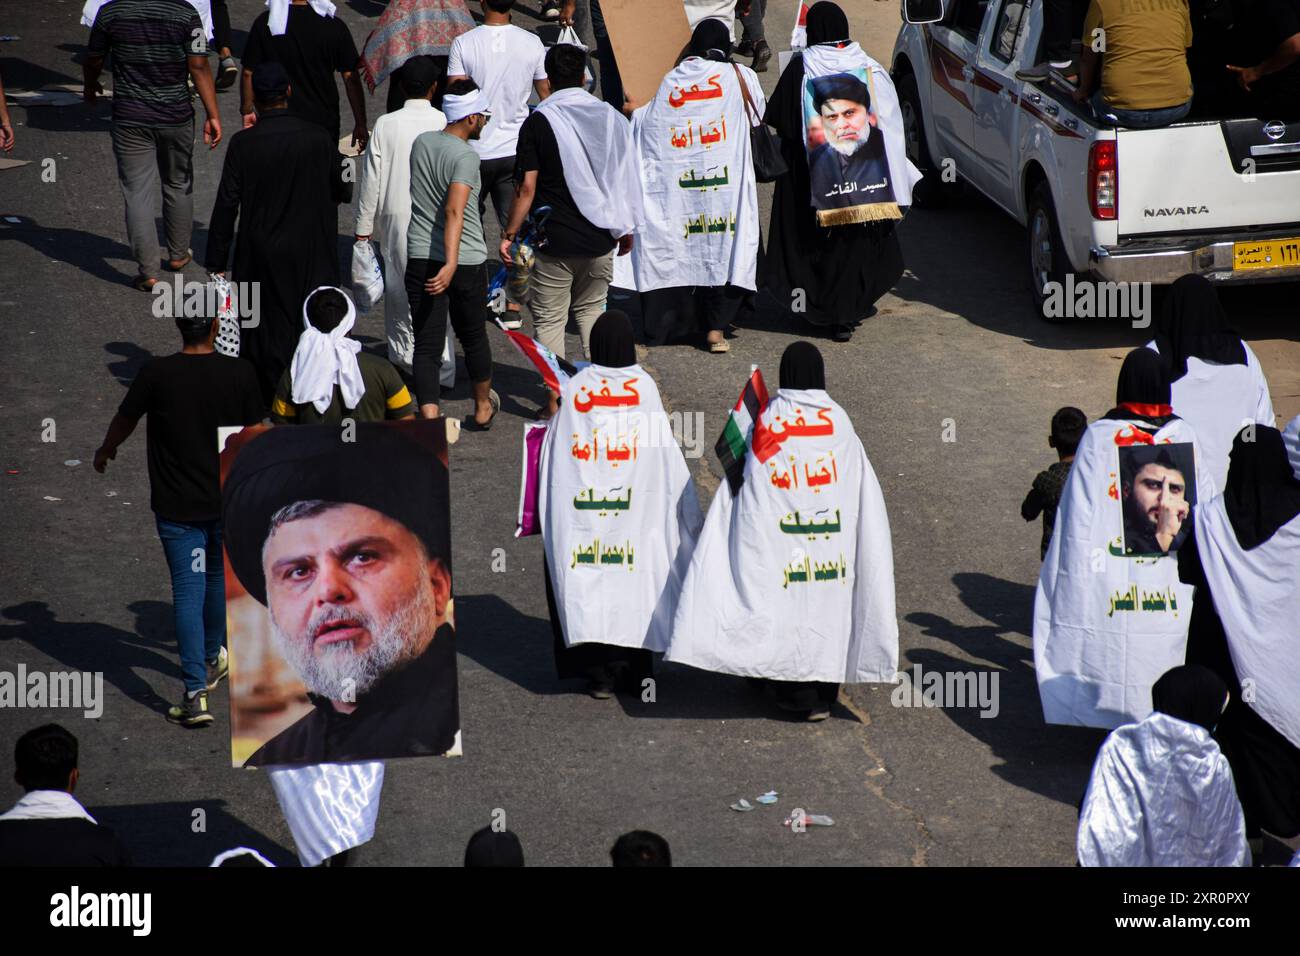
column 923, row 11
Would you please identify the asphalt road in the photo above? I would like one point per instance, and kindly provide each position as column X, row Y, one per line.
column 954, row 351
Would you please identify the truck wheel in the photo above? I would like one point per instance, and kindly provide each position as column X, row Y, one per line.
column 1047, row 260
column 930, row 190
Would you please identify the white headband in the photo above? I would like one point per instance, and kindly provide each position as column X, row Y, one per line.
column 456, row 108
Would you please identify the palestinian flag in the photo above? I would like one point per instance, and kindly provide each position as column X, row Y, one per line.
column 733, row 445
column 555, row 370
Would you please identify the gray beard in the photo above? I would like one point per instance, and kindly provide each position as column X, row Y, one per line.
column 845, row 149
column 340, row 673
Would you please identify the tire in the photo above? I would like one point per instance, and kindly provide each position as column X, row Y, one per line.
column 1047, row 259
column 930, row 190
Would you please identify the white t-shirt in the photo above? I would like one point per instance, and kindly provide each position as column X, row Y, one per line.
column 504, row 61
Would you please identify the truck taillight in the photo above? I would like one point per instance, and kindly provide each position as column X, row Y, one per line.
column 1103, row 179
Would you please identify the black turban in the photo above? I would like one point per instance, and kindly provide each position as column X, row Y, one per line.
column 392, row 468
column 839, row 86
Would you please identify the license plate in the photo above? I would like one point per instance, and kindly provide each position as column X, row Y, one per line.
column 1266, row 254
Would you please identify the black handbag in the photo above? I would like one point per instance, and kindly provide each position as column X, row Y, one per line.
column 764, row 144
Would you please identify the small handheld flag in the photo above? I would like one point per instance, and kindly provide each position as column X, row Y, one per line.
column 734, row 442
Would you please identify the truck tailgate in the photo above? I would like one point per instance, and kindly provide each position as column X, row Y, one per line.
column 1190, row 178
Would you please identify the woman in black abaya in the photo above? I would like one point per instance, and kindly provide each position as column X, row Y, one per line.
column 842, row 270
column 1261, row 495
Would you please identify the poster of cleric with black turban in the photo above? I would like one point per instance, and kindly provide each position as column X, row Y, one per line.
column 338, row 593
column 1157, row 490
column 848, row 166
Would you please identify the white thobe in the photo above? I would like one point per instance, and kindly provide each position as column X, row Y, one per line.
column 384, row 211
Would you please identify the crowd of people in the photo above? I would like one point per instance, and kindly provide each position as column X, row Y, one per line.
column 787, row 578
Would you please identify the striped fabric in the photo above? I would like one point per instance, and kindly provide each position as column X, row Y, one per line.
column 734, row 442
column 149, row 41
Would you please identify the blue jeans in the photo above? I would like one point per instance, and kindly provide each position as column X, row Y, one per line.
column 198, row 596
column 1139, row 119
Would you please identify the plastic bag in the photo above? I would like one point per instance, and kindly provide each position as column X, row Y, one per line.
column 367, row 276
column 569, row 36
column 529, row 521
column 227, row 317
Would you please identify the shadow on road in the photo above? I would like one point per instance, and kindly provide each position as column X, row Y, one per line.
column 131, row 357
column 162, row 834
column 1049, row 760
column 89, row 646
column 85, row 250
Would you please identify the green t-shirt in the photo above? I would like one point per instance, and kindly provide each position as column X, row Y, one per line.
column 386, row 396
column 438, row 160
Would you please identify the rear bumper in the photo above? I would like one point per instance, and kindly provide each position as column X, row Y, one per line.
column 1163, row 261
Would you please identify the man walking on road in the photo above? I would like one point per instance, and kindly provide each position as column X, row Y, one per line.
column 156, row 45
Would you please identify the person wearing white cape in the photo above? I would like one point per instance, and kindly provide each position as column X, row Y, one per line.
column 696, row 171
column 619, row 516
column 1161, row 792
column 1246, row 555
column 1218, row 385
column 1109, row 618
column 793, row 577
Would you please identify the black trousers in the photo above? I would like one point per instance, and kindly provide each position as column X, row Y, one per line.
column 497, row 179
column 1063, row 21
column 465, row 301
column 221, row 26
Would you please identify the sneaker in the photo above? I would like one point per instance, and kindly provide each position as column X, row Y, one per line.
column 821, row 712
column 191, row 711
column 1039, row 72
column 512, row 320
column 762, row 54
column 218, row 669
column 227, row 73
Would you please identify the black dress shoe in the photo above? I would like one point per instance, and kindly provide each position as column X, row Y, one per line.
column 762, row 54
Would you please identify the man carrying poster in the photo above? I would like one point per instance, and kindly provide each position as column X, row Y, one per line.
column 344, row 539
column 1110, row 615
column 793, row 577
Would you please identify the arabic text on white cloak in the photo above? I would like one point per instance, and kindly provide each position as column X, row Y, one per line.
column 699, row 195
column 1161, row 794
column 615, row 567
column 793, row 578
column 1095, row 661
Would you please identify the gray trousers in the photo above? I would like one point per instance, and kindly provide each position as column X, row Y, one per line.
column 561, row 283
column 144, row 155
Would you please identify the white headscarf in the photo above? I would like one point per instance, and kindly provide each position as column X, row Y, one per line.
column 325, row 359
column 203, row 8
column 456, row 108
column 47, row 805
column 599, row 159
column 279, row 19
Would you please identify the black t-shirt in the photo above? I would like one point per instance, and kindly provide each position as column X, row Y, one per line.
column 187, row 397
column 312, row 49
column 568, row 231
column 1260, row 28
column 63, row 841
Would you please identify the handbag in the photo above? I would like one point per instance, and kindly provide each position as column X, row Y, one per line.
column 764, row 144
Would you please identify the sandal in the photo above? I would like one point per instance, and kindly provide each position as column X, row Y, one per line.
column 719, row 347
column 176, row 265
column 471, row 424
column 144, row 283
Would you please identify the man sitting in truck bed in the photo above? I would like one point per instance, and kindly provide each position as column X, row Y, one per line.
column 1139, row 48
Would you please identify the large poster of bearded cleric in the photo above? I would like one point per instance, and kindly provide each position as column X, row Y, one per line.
column 338, row 593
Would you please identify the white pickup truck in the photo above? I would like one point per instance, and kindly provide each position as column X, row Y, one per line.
column 1218, row 197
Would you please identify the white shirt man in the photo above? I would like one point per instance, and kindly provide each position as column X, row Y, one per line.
column 384, row 205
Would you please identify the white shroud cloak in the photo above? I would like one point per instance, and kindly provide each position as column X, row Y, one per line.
column 1097, row 659
column 619, row 510
column 793, row 578
column 1161, row 794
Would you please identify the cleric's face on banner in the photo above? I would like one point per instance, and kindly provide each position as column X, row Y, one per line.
column 352, row 595
column 1156, row 497
column 846, row 124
